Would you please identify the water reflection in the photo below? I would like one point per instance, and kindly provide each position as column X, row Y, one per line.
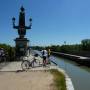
column 80, row 75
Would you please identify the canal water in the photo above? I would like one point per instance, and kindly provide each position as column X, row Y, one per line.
column 79, row 75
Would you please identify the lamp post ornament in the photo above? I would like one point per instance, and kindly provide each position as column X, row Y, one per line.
column 21, row 43
column 21, row 27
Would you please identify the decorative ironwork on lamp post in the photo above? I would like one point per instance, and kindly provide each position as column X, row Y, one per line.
column 21, row 27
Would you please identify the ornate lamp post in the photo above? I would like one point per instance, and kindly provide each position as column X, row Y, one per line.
column 21, row 42
column 21, row 27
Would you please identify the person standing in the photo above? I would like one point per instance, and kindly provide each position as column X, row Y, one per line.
column 49, row 53
column 44, row 55
column 2, row 55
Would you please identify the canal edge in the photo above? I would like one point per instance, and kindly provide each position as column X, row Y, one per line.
column 69, row 84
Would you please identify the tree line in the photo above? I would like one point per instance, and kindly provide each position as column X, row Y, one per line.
column 82, row 49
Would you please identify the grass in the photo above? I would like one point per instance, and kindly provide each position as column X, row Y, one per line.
column 59, row 80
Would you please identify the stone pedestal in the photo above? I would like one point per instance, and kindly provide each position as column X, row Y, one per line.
column 22, row 45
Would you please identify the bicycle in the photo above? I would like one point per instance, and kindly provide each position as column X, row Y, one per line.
column 26, row 64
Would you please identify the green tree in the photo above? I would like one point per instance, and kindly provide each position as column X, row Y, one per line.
column 85, row 44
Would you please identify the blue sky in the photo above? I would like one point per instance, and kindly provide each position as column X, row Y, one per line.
column 54, row 21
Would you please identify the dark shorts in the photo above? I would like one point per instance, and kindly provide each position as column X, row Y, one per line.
column 44, row 57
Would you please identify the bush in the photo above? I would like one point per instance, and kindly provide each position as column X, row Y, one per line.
column 10, row 51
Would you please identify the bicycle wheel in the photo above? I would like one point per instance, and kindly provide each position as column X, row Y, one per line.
column 25, row 65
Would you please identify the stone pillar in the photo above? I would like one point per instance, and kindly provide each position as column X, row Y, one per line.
column 22, row 45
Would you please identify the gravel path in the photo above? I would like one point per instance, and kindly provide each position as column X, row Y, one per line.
column 34, row 80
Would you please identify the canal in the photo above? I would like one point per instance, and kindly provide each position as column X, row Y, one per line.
column 79, row 75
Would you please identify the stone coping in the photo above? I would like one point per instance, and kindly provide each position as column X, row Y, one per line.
column 69, row 84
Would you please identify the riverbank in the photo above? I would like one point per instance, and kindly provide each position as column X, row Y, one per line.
column 78, row 59
column 59, row 80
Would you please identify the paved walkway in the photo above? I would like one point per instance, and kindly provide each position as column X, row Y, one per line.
column 32, row 80
column 11, row 66
column 40, row 80
column 16, row 65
